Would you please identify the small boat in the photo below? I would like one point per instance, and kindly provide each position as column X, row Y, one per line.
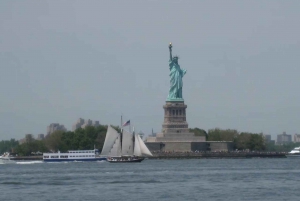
column 73, row 155
column 124, row 147
column 294, row 153
column 6, row 159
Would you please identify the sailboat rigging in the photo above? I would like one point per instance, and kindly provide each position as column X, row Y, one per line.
column 124, row 147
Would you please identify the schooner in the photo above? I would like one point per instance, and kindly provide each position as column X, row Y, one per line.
column 124, row 147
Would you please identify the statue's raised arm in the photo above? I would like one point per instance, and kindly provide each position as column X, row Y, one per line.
column 170, row 49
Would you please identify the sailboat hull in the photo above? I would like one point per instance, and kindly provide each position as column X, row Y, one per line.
column 125, row 159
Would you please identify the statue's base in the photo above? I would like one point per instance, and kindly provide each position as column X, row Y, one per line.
column 175, row 135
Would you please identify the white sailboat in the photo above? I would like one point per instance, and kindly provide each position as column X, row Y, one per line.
column 124, row 147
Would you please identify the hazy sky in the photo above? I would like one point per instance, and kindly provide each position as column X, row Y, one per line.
column 61, row 60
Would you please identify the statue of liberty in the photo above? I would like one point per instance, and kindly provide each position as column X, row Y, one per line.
column 176, row 74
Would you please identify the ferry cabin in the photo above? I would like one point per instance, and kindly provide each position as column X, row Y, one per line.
column 73, row 155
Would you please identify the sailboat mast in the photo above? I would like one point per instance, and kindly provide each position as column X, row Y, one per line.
column 121, row 122
column 121, row 134
column 133, row 140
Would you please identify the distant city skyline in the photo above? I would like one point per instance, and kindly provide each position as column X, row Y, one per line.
column 61, row 60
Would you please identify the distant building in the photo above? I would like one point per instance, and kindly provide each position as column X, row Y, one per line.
column 28, row 138
column 267, row 138
column 152, row 134
column 81, row 123
column 284, row 138
column 297, row 138
column 55, row 127
column 40, row 136
column 22, row 141
column 151, row 137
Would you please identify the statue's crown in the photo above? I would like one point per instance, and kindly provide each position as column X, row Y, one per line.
column 176, row 57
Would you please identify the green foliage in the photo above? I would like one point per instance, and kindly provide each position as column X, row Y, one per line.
column 31, row 146
column 218, row 134
column 54, row 141
column 242, row 141
column 198, row 132
column 8, row 145
column 256, row 142
column 80, row 139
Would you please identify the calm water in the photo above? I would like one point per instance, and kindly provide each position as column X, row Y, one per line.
column 204, row 179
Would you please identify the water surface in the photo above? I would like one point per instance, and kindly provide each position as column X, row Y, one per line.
column 199, row 179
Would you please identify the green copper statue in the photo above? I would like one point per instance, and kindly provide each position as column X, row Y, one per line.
column 176, row 74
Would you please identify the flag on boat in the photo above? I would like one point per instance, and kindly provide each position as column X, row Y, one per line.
column 126, row 123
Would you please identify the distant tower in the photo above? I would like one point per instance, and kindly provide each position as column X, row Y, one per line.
column 54, row 127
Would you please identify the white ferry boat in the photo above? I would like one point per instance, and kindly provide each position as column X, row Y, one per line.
column 74, row 155
column 294, row 153
column 5, row 159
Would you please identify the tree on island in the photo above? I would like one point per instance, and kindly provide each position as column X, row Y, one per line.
column 80, row 139
column 218, row 134
column 198, row 132
column 8, row 145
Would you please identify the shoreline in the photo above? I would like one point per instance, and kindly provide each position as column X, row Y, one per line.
column 189, row 155
column 217, row 155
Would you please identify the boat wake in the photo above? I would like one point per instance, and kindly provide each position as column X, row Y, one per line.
column 28, row 162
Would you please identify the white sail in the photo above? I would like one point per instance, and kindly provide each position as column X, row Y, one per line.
column 127, row 143
column 143, row 147
column 110, row 139
column 137, row 148
column 116, row 149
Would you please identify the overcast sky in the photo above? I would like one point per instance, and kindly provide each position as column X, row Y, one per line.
column 61, row 60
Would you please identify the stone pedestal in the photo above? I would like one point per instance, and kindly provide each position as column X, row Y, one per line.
column 175, row 134
column 175, row 118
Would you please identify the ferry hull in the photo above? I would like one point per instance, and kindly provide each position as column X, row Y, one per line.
column 74, row 160
column 292, row 156
column 132, row 161
column 124, row 160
